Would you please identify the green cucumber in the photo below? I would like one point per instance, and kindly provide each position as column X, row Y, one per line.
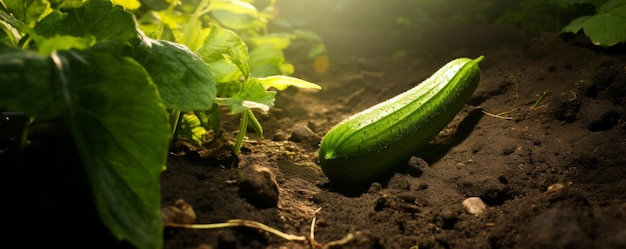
column 370, row 143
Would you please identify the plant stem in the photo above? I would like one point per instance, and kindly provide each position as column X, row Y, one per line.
column 539, row 99
column 189, row 37
column 255, row 123
column 174, row 120
column 243, row 126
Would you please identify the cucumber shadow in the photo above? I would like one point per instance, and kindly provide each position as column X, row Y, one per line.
column 435, row 151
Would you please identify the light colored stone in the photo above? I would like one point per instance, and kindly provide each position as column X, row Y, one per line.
column 181, row 212
column 555, row 188
column 474, row 205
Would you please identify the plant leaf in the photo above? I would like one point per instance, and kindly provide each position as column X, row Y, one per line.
column 606, row 29
column 184, row 80
column 613, row 6
column 101, row 19
column 25, row 83
column 122, row 134
column 278, row 40
column 28, row 11
column 267, row 60
column 235, row 14
column 210, row 119
column 191, row 129
column 128, row 4
column 592, row 2
column 64, row 42
column 66, row 4
column 252, row 95
column 221, row 43
column 51, row 24
column 282, row 82
column 576, row 25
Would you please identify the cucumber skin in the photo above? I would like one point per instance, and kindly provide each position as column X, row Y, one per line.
column 368, row 144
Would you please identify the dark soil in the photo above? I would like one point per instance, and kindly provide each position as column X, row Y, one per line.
column 552, row 176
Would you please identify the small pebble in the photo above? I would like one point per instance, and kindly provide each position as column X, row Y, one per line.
column 300, row 133
column 304, row 134
column 258, row 186
column 555, row 188
column 375, row 188
column 474, row 205
column 279, row 136
column 181, row 212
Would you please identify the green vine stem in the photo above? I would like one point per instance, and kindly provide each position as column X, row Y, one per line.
column 243, row 125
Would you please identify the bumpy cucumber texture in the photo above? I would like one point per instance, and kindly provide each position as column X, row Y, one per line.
column 370, row 143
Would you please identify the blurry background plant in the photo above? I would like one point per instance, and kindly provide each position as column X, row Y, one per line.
column 601, row 20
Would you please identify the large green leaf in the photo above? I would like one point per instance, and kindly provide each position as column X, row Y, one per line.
column 117, row 121
column 122, row 134
column 101, row 19
column 25, row 83
column 184, row 80
column 606, row 28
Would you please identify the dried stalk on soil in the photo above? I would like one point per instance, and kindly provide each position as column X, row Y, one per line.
column 263, row 227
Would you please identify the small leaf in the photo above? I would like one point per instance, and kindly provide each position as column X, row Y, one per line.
column 222, row 43
column 210, row 119
column 67, row 4
column 277, row 40
column 252, row 95
column 128, row 4
column 255, row 105
column 64, row 42
column 576, row 25
column 317, row 50
column 50, row 25
column 267, row 60
column 191, row 129
column 9, row 33
column 282, row 82
column 235, row 14
column 28, row 11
